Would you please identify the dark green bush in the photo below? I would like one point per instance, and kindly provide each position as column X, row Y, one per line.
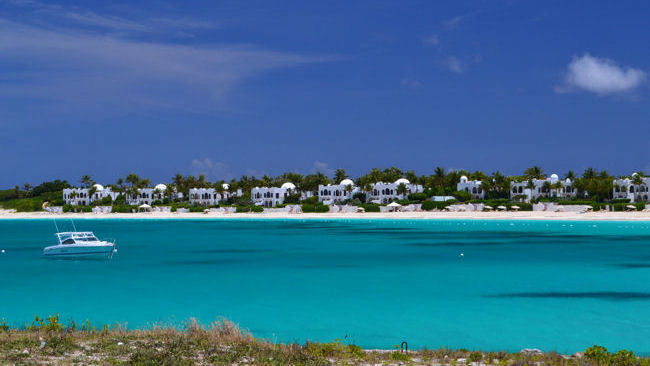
column 370, row 207
column 462, row 196
column 311, row 200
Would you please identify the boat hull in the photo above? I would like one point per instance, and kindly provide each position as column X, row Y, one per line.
column 79, row 251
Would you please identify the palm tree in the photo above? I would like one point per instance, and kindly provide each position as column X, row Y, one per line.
column 86, row 180
column 546, row 188
column 589, row 173
column 534, row 172
column 530, row 185
column 348, row 189
column 339, row 175
column 27, row 187
column 570, row 175
column 439, row 173
column 402, row 190
column 133, row 179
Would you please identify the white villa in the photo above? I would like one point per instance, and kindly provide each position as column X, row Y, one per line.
column 387, row 192
column 210, row 196
column 147, row 195
column 624, row 188
column 558, row 188
column 335, row 193
column 271, row 196
column 471, row 186
column 82, row 196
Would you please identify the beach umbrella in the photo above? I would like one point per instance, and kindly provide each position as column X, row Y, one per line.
column 488, row 207
column 631, row 207
column 394, row 204
column 501, row 207
column 515, row 207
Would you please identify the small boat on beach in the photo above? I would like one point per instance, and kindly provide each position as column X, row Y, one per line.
column 76, row 244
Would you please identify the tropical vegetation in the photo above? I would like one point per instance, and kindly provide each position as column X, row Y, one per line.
column 593, row 187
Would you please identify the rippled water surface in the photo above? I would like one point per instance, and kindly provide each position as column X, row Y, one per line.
column 491, row 285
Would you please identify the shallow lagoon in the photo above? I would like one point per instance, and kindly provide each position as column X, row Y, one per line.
column 492, row 284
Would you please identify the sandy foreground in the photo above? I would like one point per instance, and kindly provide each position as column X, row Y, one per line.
column 523, row 215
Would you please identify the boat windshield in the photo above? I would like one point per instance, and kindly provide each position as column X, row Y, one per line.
column 76, row 237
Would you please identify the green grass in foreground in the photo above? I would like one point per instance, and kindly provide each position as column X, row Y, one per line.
column 47, row 341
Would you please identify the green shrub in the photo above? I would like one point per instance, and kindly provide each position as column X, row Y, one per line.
column 418, row 197
column 370, row 207
column 359, row 196
column 257, row 208
column 597, row 355
column 243, row 209
column 462, row 196
column 311, row 200
column 430, row 205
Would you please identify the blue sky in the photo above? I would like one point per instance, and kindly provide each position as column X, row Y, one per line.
column 251, row 87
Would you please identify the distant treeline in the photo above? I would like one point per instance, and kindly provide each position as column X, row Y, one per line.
column 592, row 184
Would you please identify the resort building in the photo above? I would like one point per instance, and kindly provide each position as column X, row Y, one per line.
column 210, row 196
column 271, row 196
column 148, row 195
column 83, row 196
column 626, row 189
column 387, row 192
column 204, row 196
column 471, row 186
column 336, row 193
column 549, row 187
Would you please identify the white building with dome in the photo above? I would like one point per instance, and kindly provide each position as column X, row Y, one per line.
column 83, row 196
column 336, row 193
column 210, row 196
column 625, row 189
column 471, row 186
column 272, row 196
column 383, row 193
column 556, row 188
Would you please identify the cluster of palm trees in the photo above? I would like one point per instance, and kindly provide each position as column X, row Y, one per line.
column 593, row 183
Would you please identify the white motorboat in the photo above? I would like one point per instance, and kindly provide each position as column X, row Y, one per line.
column 74, row 244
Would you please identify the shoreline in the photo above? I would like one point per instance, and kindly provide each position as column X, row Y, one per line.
column 510, row 215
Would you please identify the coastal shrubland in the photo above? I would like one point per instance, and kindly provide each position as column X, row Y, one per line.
column 48, row 341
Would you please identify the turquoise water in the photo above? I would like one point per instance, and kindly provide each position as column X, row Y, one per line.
column 552, row 285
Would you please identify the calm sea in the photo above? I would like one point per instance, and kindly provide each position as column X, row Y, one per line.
column 491, row 285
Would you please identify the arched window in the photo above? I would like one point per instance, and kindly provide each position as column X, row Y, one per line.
column 631, row 189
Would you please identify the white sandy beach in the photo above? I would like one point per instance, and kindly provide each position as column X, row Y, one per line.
column 522, row 215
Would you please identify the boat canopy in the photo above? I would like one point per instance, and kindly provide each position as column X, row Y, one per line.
column 70, row 237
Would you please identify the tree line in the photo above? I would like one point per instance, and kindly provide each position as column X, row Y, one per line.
column 591, row 183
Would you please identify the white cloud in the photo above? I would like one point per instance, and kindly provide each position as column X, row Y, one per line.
column 454, row 65
column 432, row 40
column 212, row 170
column 324, row 168
column 72, row 69
column 455, row 22
column 410, row 83
column 601, row 76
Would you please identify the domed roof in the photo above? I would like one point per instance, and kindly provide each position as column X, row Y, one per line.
column 554, row 178
column 98, row 187
column 288, row 185
column 567, row 181
column 463, row 179
column 347, row 182
column 402, row 180
column 160, row 187
column 225, row 186
column 634, row 174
